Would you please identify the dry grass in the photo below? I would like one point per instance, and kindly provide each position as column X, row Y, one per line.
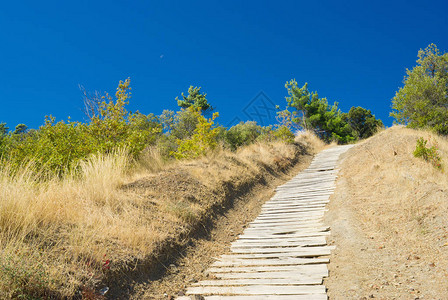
column 310, row 139
column 401, row 203
column 63, row 235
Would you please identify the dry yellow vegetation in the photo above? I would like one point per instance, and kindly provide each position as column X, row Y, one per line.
column 69, row 237
column 389, row 220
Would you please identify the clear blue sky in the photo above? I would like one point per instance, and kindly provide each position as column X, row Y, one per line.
column 353, row 52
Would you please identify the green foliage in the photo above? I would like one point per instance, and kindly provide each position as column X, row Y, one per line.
column 185, row 123
column 362, row 121
column 58, row 146
column 20, row 129
column 423, row 100
column 283, row 133
column 3, row 129
column 3, row 132
column 54, row 147
column 429, row 154
column 313, row 113
column 203, row 140
column 244, row 133
column 195, row 99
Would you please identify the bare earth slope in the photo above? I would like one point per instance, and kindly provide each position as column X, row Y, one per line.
column 388, row 219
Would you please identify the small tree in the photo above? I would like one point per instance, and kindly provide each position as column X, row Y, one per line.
column 20, row 129
column 314, row 113
column 195, row 99
column 203, row 140
column 362, row 121
column 423, row 100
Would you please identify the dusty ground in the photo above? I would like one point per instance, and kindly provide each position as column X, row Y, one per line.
column 388, row 219
column 212, row 242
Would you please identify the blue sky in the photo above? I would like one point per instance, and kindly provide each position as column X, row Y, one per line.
column 353, row 52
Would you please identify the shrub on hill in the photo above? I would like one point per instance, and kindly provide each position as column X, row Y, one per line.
column 423, row 100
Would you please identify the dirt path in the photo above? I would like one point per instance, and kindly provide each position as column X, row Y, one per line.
column 388, row 223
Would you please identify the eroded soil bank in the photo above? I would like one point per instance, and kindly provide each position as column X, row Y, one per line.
column 212, row 241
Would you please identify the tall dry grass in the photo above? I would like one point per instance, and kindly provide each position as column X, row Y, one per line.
column 64, row 223
column 60, row 235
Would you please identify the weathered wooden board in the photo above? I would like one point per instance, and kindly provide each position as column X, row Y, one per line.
column 303, row 252
column 270, row 262
column 318, row 242
column 270, row 297
column 283, row 236
column 266, row 250
column 315, row 268
column 293, row 280
column 273, row 275
column 258, row 290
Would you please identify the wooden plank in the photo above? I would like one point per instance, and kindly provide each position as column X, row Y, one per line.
column 292, row 225
column 280, row 249
column 270, row 262
column 270, row 297
column 293, row 280
column 293, row 232
column 291, row 216
column 258, row 290
column 301, row 219
column 303, row 252
column 317, row 242
column 281, row 211
column 320, row 269
column 294, row 204
column 281, row 225
column 293, row 208
column 283, row 237
column 273, row 275
column 284, row 229
column 298, row 268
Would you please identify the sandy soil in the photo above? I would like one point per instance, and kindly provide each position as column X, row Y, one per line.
column 388, row 222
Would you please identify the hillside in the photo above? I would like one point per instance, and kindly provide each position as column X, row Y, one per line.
column 389, row 221
column 112, row 225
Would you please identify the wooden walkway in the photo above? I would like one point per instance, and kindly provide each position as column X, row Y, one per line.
column 283, row 253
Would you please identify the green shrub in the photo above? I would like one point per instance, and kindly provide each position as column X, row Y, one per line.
column 283, row 133
column 429, row 154
column 203, row 139
column 243, row 134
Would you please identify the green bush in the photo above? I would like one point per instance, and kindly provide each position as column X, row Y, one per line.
column 243, row 134
column 283, row 133
column 429, row 154
column 203, row 139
